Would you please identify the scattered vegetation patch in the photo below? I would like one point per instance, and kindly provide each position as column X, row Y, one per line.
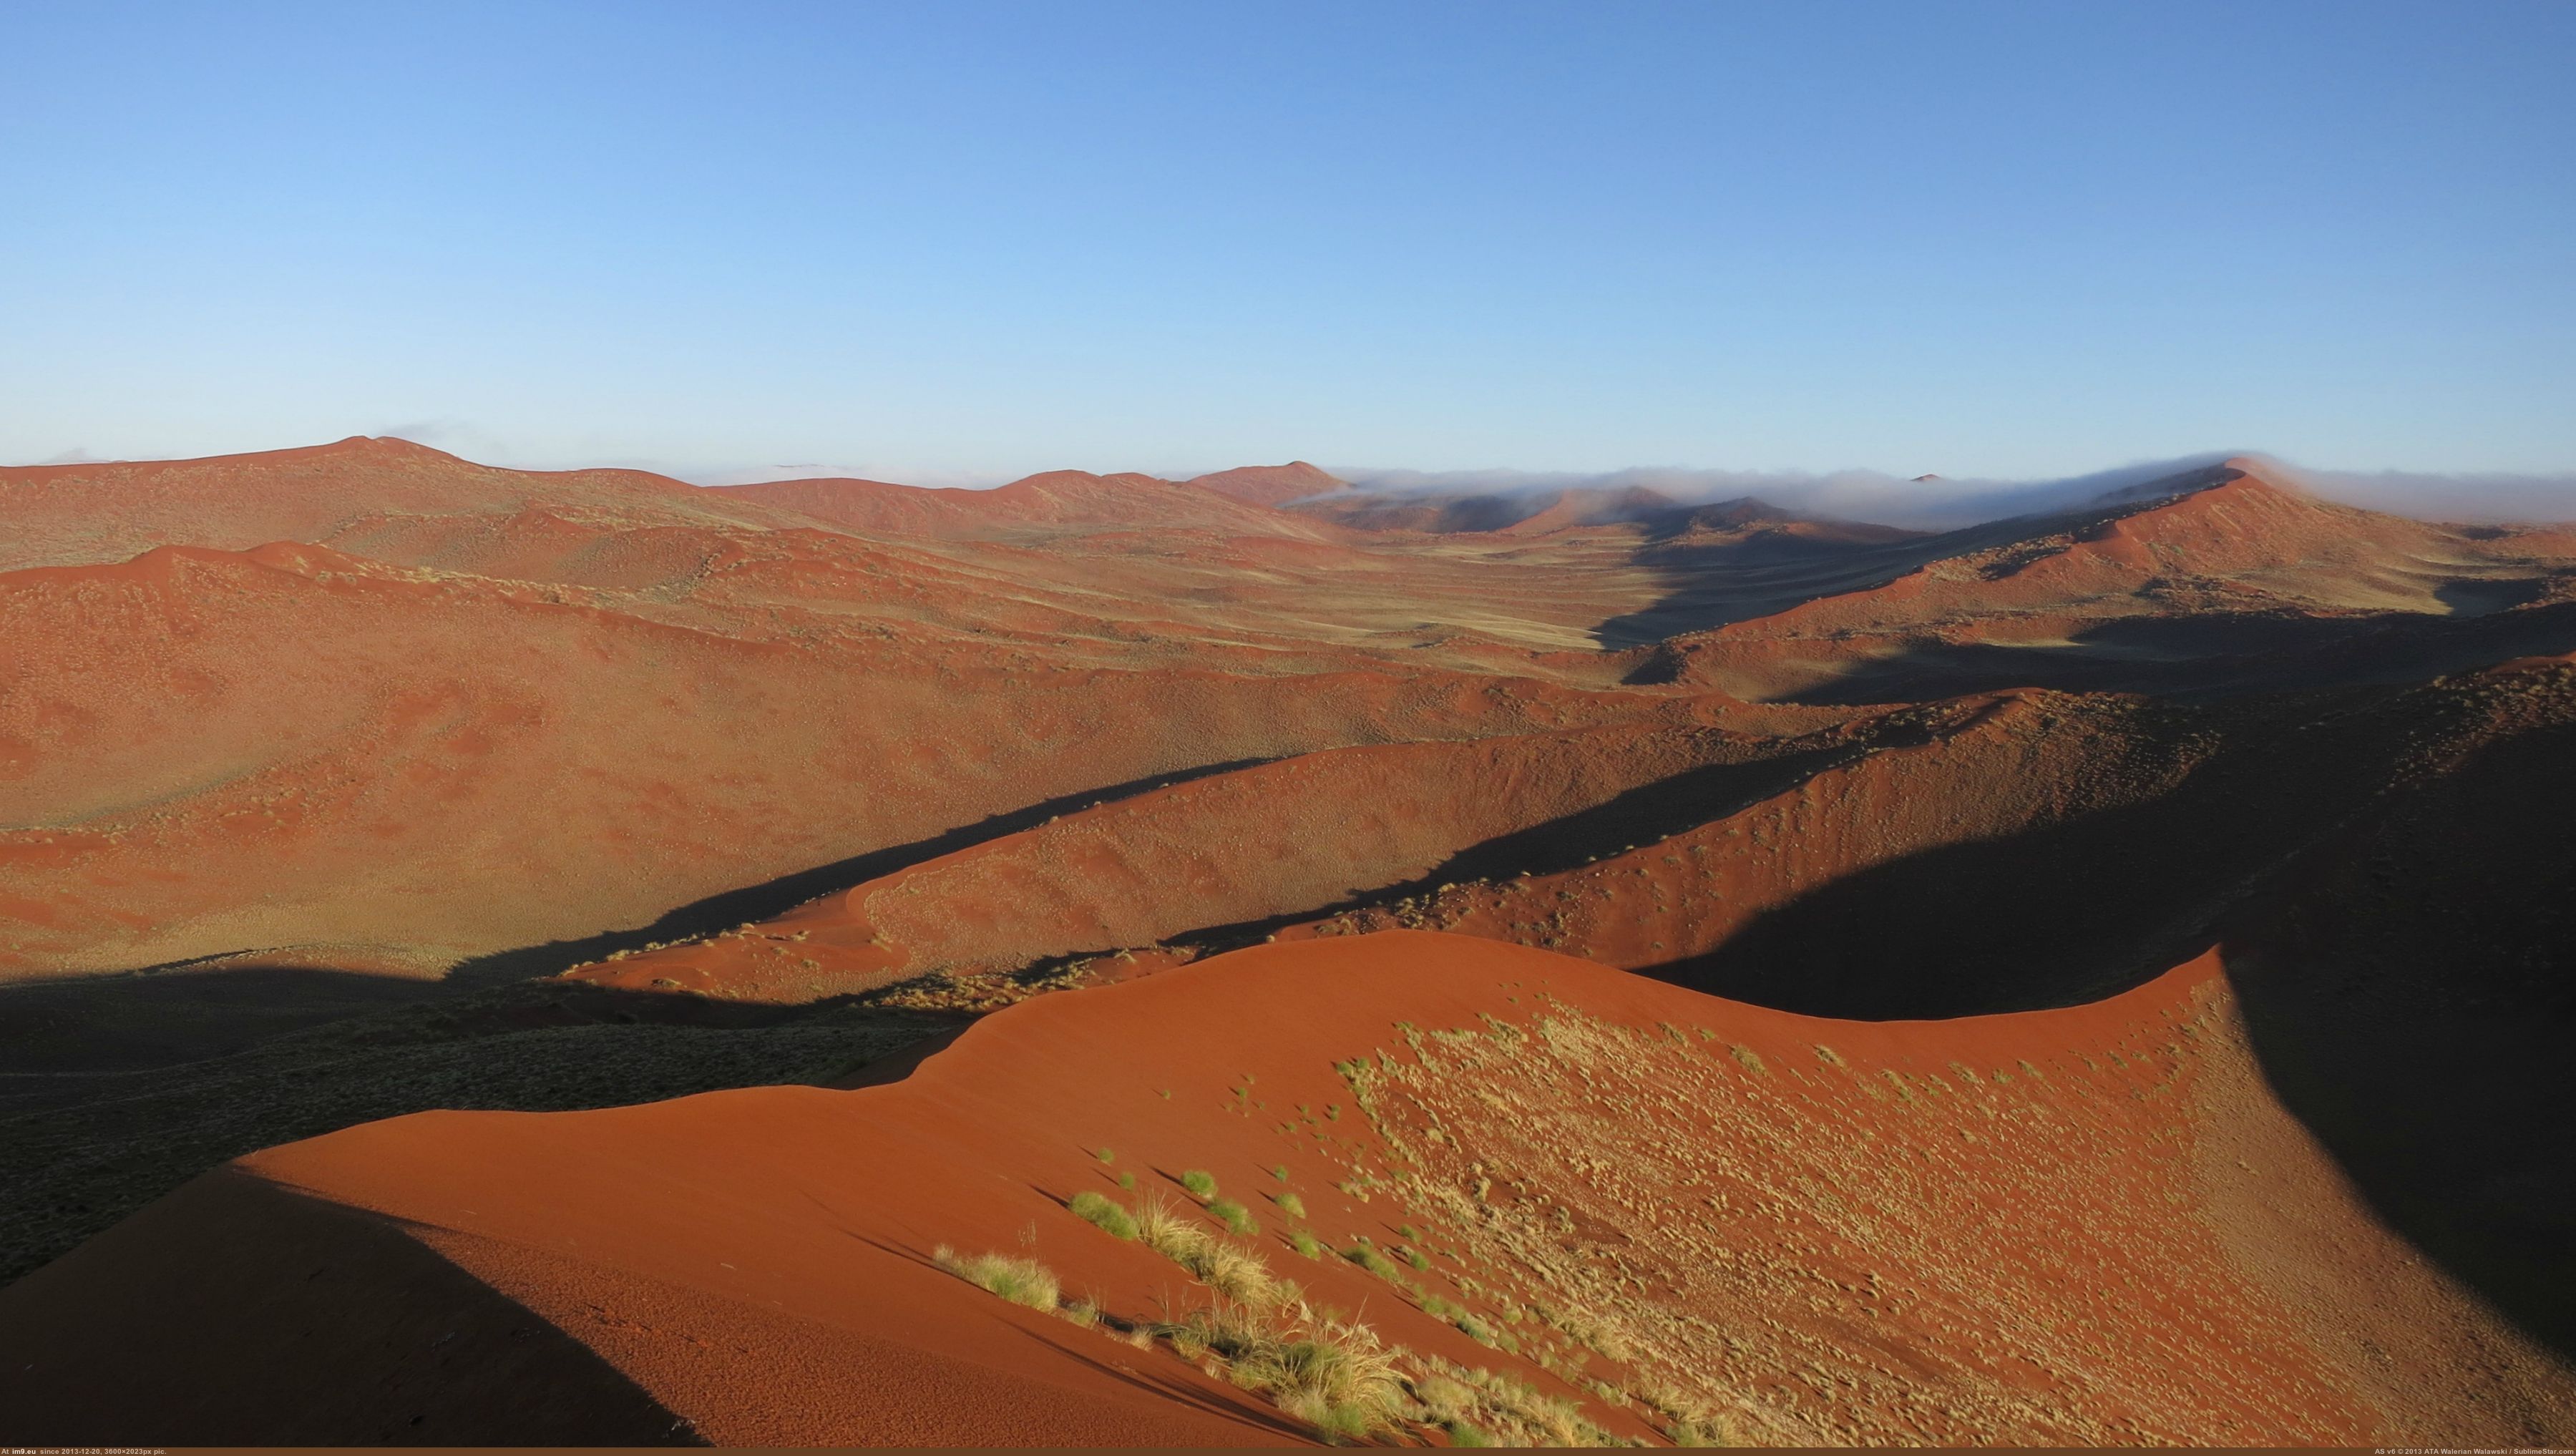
column 1236, row 1218
column 1291, row 1205
column 1200, row 1182
column 1500, row 1406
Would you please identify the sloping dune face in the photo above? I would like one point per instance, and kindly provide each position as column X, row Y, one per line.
column 1596, row 1208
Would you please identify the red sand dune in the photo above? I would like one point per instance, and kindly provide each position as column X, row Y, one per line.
column 68, row 514
column 1272, row 485
column 2017, row 1250
column 1054, row 500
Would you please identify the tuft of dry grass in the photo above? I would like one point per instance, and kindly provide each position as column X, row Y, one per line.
column 1336, row 1375
column 1235, row 1272
column 1021, row 1281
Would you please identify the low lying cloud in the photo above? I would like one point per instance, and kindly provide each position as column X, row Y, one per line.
column 2472, row 498
column 1935, row 503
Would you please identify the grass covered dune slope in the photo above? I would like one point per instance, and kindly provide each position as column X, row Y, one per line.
column 1407, row 1184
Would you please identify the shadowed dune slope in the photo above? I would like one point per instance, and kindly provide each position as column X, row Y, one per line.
column 1625, row 1180
column 1233, row 850
column 2228, row 577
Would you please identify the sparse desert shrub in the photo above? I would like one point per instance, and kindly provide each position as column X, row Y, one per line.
column 1127, row 1180
column 1236, row 1218
column 1280, row 1172
column 1103, row 1213
column 1417, row 1258
column 1291, row 1205
column 1200, row 1182
column 1306, row 1243
column 1105, row 1155
column 1021, row 1281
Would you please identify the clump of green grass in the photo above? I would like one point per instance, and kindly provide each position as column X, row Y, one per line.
column 1373, row 1261
column 1105, row 1155
column 1021, row 1281
column 1291, row 1205
column 1236, row 1218
column 1306, row 1243
column 1200, row 1182
column 1127, row 1180
column 1103, row 1213
column 1280, row 1172
column 1417, row 1258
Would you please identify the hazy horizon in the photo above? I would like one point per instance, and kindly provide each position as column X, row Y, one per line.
column 1938, row 502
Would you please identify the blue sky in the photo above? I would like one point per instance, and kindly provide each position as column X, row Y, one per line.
column 960, row 242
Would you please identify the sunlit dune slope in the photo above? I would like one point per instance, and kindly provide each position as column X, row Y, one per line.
column 62, row 515
column 206, row 751
column 2081, row 1226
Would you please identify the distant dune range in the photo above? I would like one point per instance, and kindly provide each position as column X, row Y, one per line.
column 369, row 758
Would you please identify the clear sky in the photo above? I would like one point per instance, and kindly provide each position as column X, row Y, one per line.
column 946, row 242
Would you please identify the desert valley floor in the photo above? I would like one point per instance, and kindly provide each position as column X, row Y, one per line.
column 493, row 956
